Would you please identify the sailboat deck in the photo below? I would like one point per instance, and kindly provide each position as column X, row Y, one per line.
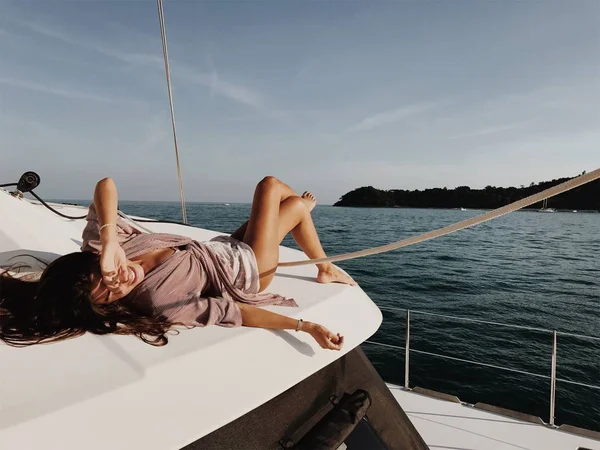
column 98, row 392
column 446, row 425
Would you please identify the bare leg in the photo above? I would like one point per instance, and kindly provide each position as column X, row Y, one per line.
column 276, row 212
column 240, row 232
column 286, row 192
column 309, row 200
column 305, row 235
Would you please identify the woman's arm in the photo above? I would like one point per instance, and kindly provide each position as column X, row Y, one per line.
column 112, row 260
column 106, row 202
column 261, row 318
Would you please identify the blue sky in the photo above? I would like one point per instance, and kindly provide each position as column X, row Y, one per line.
column 328, row 96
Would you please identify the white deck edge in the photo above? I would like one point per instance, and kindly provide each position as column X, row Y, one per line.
column 116, row 392
column 448, row 425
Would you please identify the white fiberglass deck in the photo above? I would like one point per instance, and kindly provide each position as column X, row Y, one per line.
column 116, row 392
column 453, row 426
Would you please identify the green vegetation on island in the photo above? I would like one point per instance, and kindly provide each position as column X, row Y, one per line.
column 586, row 197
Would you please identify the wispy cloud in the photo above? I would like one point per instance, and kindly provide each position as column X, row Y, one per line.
column 48, row 32
column 237, row 92
column 62, row 92
column 28, row 125
column 126, row 57
column 233, row 91
column 136, row 58
column 388, row 117
column 493, row 129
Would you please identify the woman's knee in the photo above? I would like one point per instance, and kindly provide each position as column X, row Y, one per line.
column 270, row 183
column 269, row 180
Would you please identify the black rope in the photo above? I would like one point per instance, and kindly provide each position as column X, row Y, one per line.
column 162, row 221
column 55, row 211
column 41, row 200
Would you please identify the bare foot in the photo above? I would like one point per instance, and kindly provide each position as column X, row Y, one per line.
column 310, row 200
column 334, row 275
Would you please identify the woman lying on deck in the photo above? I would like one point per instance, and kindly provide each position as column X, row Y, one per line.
column 126, row 282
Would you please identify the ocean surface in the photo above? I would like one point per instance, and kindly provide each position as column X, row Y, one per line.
column 539, row 270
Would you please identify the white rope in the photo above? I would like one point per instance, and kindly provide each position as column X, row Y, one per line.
column 551, row 192
column 163, row 36
column 134, row 223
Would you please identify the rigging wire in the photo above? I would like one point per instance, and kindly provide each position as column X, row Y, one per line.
column 163, row 36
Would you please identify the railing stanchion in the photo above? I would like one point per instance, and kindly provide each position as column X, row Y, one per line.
column 553, row 379
column 407, row 350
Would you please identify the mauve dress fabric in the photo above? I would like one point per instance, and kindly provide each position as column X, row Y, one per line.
column 198, row 285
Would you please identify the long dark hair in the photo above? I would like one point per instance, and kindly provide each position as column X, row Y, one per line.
column 58, row 306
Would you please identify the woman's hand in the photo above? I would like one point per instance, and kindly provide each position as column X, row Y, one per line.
column 324, row 337
column 113, row 265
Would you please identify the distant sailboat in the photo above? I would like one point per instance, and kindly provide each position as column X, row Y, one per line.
column 545, row 207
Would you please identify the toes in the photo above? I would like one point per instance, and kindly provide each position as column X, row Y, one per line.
column 308, row 196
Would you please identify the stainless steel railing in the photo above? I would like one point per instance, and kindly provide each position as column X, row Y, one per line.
column 552, row 377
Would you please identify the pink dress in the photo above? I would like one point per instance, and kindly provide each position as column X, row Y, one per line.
column 198, row 285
